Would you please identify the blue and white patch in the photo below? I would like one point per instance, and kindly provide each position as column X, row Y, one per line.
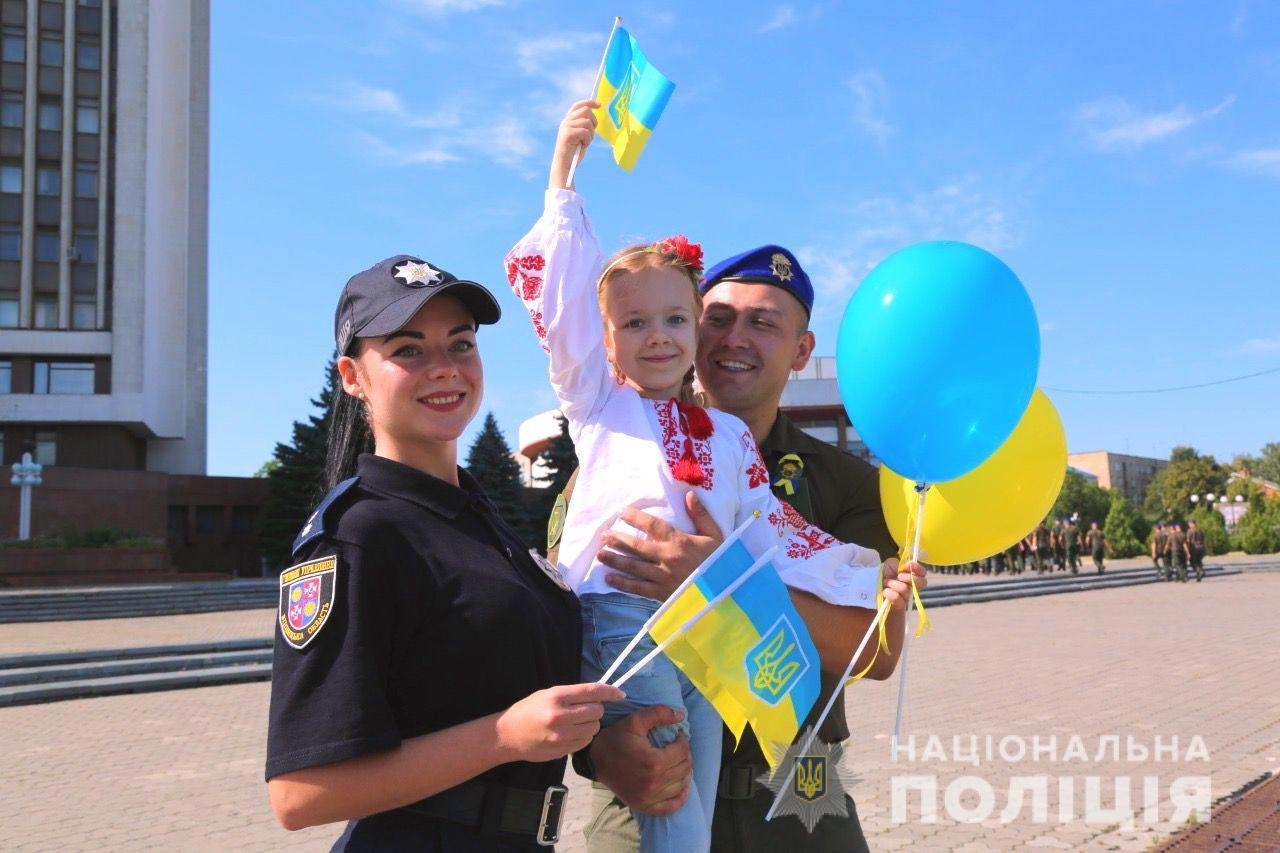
column 314, row 528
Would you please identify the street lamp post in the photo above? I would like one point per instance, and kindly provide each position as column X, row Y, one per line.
column 25, row 475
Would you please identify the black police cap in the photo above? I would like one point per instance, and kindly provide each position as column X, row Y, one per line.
column 385, row 297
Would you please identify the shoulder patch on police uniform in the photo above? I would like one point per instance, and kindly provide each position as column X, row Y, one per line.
column 307, row 593
column 315, row 523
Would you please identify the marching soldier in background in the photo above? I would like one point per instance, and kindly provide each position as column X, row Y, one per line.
column 1158, row 545
column 1175, row 553
column 1043, row 541
column 1071, row 545
column 1097, row 546
column 1195, row 547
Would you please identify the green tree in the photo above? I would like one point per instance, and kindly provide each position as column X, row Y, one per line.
column 1119, row 528
column 1266, row 465
column 1260, row 526
column 1189, row 473
column 1215, row 529
column 1081, row 495
column 295, row 473
column 490, row 462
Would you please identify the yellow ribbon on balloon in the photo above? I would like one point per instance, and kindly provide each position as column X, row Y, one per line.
column 994, row 505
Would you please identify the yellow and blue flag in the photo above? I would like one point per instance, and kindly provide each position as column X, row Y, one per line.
column 632, row 95
column 751, row 655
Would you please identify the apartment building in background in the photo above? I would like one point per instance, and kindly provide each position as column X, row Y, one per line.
column 104, row 174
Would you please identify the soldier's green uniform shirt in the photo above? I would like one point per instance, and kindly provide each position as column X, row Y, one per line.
column 839, row 493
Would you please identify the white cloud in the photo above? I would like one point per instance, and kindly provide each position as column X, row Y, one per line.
column 1111, row 123
column 870, row 95
column 1262, row 161
column 1259, row 346
column 568, row 61
column 957, row 210
column 442, row 7
column 360, row 98
column 783, row 17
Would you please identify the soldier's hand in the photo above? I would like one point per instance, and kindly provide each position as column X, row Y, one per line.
column 656, row 565
column 647, row 778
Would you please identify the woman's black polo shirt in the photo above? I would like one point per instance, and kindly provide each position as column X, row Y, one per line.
column 436, row 615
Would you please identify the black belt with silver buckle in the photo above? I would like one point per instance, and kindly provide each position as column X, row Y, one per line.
column 492, row 808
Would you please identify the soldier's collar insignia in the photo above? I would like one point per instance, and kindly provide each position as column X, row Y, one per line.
column 549, row 569
column 417, row 274
column 307, row 593
column 780, row 264
column 819, row 784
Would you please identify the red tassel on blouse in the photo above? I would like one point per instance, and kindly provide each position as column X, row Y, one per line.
column 695, row 423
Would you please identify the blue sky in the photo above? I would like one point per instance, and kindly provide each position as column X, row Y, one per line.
column 1122, row 158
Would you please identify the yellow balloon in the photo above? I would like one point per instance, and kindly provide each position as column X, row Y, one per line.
column 994, row 505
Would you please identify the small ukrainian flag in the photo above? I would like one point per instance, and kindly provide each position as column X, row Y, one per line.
column 632, row 95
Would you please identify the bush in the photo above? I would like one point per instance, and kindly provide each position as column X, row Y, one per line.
column 1258, row 533
column 99, row 537
column 1118, row 528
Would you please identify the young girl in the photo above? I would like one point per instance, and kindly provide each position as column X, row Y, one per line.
column 642, row 443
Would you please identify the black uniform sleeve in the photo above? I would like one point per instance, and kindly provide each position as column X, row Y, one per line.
column 329, row 698
column 860, row 516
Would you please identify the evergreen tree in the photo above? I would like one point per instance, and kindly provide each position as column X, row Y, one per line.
column 490, row 462
column 1260, row 526
column 1119, row 527
column 559, row 460
column 295, row 473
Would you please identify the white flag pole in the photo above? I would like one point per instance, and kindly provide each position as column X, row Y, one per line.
column 831, row 700
column 685, row 584
column 922, row 489
column 595, row 87
column 707, row 608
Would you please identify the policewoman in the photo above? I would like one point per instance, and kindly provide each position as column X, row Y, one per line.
column 423, row 686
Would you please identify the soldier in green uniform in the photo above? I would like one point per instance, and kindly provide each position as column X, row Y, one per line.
column 1071, row 545
column 1059, row 546
column 1043, row 548
column 753, row 332
column 1097, row 546
column 1159, row 541
column 1176, row 552
column 1195, row 548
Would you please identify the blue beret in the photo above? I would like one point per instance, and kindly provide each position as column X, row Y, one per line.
column 767, row 265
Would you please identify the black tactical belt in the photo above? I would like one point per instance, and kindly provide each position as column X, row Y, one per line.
column 492, row 809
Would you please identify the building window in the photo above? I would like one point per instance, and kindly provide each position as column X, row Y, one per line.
column 50, row 117
column 62, row 377
column 242, row 519
column 13, row 46
column 207, row 519
column 47, row 247
column 86, row 247
column 51, row 51
column 46, row 448
column 8, row 310
column 84, row 311
column 6, row 380
column 86, row 180
column 46, row 312
column 87, row 119
column 88, row 57
column 10, row 243
column 10, row 179
column 178, row 524
column 48, row 180
column 94, row 4
column 11, row 111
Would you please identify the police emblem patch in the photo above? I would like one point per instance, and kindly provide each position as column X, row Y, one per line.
column 549, row 569
column 417, row 274
column 306, row 599
column 813, row 784
column 555, row 523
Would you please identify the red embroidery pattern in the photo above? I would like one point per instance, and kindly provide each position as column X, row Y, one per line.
column 529, row 286
column 803, row 539
column 757, row 474
column 673, row 439
column 540, row 329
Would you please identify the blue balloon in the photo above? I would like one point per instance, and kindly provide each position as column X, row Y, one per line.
column 937, row 359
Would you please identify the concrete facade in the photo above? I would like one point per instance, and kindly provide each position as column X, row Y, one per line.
column 1130, row 474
